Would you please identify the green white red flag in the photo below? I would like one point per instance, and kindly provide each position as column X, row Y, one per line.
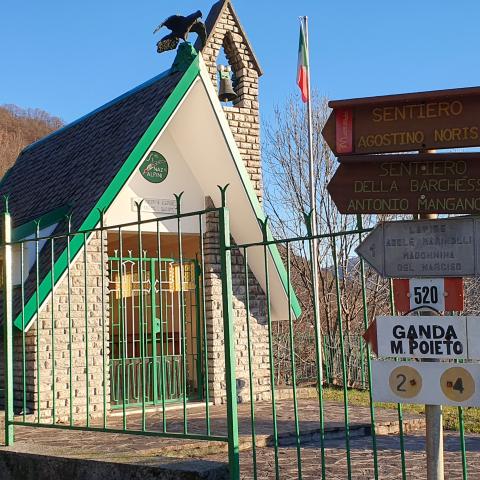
column 302, row 68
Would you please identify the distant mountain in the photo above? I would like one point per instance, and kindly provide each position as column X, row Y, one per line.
column 20, row 127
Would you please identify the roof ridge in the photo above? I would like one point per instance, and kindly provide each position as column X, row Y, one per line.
column 98, row 109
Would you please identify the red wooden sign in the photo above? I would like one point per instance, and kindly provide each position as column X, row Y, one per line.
column 343, row 131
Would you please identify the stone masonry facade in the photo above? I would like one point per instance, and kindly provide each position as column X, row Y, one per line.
column 87, row 327
column 243, row 116
column 257, row 321
column 51, row 380
column 243, row 119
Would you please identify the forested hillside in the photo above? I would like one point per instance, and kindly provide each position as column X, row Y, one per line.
column 18, row 128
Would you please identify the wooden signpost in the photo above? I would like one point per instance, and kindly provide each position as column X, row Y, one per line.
column 425, row 184
column 407, row 122
column 402, row 184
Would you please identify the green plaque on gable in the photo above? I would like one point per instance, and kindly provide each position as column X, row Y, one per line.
column 154, row 168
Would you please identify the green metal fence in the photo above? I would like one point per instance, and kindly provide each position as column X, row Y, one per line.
column 334, row 360
column 71, row 357
column 113, row 319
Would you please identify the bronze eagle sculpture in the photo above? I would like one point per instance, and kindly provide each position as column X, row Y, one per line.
column 180, row 27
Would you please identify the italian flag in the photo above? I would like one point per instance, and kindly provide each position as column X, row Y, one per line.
column 302, row 68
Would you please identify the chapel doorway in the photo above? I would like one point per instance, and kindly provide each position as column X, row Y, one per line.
column 155, row 322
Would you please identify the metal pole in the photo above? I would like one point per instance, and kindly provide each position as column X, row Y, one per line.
column 313, row 196
column 433, row 417
column 229, row 343
column 8, row 325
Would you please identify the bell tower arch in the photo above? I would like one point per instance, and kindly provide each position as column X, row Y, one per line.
column 224, row 30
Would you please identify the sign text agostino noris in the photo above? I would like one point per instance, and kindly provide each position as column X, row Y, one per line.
column 407, row 122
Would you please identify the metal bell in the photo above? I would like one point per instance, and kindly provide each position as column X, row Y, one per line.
column 226, row 93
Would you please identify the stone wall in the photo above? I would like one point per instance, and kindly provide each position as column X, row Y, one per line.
column 258, row 325
column 243, row 116
column 53, row 351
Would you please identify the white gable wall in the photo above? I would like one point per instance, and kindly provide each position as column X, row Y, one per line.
column 179, row 179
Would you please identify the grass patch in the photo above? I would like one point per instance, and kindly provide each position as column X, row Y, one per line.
column 471, row 416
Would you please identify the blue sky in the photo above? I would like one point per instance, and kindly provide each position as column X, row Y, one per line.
column 70, row 57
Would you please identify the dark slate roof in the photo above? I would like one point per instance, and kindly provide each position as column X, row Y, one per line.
column 74, row 165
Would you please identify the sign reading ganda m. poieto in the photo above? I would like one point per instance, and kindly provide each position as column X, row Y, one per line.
column 423, row 336
column 424, row 183
column 154, row 168
column 447, row 247
column 406, row 122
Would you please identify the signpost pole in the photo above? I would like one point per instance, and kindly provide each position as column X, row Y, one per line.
column 433, row 416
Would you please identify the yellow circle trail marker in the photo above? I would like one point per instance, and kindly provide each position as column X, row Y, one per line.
column 457, row 384
column 405, row 381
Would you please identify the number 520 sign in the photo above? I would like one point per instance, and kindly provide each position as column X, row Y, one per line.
column 442, row 294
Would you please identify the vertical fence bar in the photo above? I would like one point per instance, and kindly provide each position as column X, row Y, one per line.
column 369, row 365
column 204, row 318
column 123, row 333
column 70, row 327
column 309, row 222
column 85, row 307
column 250, row 368
column 270, row 348
column 153, row 330
column 8, row 324
column 399, row 405
column 24, row 359
column 140, row 311
column 229, row 341
column 293, row 366
column 37, row 302
column 104, row 336
column 162, row 352
column 52, row 305
column 463, row 449
column 343, row 361
column 181, row 301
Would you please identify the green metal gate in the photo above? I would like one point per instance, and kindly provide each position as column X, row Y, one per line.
column 165, row 337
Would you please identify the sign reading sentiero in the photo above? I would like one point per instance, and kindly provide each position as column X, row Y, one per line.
column 423, row 337
column 444, row 183
column 406, row 122
column 424, row 248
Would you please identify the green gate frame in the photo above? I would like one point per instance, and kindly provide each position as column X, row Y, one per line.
column 157, row 327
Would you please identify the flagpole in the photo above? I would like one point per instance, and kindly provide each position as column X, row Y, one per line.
column 314, row 242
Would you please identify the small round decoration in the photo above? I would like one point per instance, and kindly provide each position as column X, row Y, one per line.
column 457, row 384
column 405, row 382
column 155, row 168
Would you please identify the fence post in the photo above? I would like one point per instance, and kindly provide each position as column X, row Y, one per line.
column 229, row 342
column 8, row 325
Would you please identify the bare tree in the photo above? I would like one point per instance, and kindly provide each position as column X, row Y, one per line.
column 18, row 128
column 286, row 178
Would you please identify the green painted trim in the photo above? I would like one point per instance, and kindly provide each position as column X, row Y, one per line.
column 49, row 218
column 253, row 199
column 113, row 189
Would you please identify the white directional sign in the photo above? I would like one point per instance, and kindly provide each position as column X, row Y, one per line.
column 424, row 248
column 430, row 383
column 423, row 337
